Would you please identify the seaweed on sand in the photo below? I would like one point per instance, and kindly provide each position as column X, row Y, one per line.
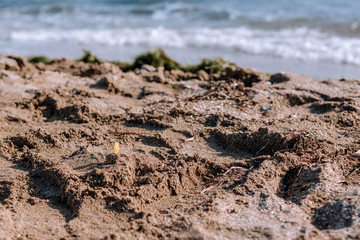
column 216, row 65
column 37, row 59
column 156, row 58
column 88, row 57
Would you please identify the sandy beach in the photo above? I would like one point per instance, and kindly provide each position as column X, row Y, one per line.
column 231, row 155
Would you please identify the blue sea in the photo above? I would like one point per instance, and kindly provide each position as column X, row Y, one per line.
column 320, row 38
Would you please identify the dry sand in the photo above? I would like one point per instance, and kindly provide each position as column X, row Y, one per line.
column 236, row 156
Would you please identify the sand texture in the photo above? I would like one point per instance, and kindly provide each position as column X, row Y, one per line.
column 240, row 155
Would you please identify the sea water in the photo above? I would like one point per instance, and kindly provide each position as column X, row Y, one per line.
column 320, row 38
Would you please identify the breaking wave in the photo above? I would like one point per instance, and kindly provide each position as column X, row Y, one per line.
column 298, row 43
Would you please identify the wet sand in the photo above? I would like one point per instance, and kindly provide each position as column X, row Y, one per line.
column 233, row 156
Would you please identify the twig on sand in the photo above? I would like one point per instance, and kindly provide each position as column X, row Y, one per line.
column 187, row 139
column 356, row 154
column 138, row 134
column 226, row 173
column 208, row 188
column 352, row 172
column 218, row 184
column 262, row 148
column 124, row 133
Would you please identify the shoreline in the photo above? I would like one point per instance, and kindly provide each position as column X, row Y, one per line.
column 317, row 70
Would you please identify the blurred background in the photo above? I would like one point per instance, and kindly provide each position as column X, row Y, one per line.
column 318, row 38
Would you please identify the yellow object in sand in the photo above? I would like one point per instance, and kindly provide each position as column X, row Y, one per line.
column 116, row 147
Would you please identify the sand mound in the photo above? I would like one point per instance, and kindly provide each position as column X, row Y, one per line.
column 202, row 156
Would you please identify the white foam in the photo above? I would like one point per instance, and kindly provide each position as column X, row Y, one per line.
column 298, row 43
column 171, row 9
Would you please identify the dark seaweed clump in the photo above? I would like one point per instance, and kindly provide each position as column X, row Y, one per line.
column 216, row 65
column 158, row 58
column 88, row 57
column 38, row 59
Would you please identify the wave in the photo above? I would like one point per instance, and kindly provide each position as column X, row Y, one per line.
column 298, row 43
column 337, row 19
